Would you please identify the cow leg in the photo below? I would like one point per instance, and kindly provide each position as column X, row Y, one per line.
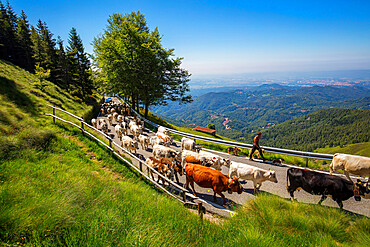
column 256, row 187
column 177, row 177
column 186, row 185
column 347, row 175
column 322, row 199
column 214, row 196
column 223, row 198
column 291, row 192
column 340, row 204
column 192, row 186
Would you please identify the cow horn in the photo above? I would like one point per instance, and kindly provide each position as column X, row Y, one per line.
column 230, row 180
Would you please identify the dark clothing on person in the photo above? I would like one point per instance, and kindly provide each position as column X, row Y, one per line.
column 256, row 146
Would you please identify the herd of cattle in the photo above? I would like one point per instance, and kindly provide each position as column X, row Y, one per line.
column 204, row 168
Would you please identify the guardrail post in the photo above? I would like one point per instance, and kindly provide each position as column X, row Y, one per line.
column 82, row 125
column 306, row 162
column 141, row 166
column 184, row 196
column 200, row 210
column 54, row 114
column 110, row 145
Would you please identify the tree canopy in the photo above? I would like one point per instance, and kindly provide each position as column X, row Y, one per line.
column 133, row 62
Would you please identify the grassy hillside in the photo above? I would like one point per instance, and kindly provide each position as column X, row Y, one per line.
column 23, row 100
column 60, row 188
column 362, row 149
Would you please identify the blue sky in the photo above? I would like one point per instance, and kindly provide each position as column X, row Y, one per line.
column 227, row 37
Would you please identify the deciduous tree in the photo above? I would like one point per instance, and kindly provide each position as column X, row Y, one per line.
column 133, row 62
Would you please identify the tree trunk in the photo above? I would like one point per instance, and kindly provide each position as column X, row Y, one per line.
column 137, row 104
column 146, row 109
column 133, row 101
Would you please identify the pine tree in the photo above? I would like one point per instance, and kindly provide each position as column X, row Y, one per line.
column 25, row 42
column 38, row 47
column 62, row 66
column 8, row 27
column 79, row 64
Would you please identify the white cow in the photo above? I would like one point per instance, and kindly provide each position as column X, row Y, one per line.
column 144, row 141
column 166, row 138
column 160, row 151
column 222, row 161
column 101, row 121
column 163, row 130
column 131, row 123
column 115, row 115
column 135, row 131
column 118, row 130
column 94, row 122
column 155, row 140
column 124, row 128
column 189, row 144
column 129, row 144
column 354, row 164
column 104, row 127
column 203, row 159
column 110, row 118
column 247, row 172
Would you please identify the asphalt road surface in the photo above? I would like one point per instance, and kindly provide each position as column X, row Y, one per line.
column 350, row 205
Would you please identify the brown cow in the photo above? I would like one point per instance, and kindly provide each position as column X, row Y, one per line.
column 234, row 150
column 162, row 166
column 209, row 178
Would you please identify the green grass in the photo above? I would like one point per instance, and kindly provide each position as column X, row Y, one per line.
column 60, row 188
column 362, row 149
column 23, row 103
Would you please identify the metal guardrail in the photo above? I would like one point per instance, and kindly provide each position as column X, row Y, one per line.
column 180, row 189
column 302, row 154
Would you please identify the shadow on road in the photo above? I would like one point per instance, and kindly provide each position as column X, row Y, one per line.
column 230, row 204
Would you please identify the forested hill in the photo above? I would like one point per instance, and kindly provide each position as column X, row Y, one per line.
column 262, row 108
column 329, row 127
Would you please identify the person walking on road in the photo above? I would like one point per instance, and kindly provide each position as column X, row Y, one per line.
column 256, row 146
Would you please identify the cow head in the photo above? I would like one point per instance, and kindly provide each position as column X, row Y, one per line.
column 197, row 148
column 360, row 190
column 135, row 145
column 234, row 186
column 271, row 176
column 177, row 155
column 225, row 162
column 178, row 167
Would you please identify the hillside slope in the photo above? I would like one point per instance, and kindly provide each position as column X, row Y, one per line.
column 329, row 127
column 23, row 100
column 61, row 188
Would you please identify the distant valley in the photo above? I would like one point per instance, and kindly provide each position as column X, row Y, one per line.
column 238, row 114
